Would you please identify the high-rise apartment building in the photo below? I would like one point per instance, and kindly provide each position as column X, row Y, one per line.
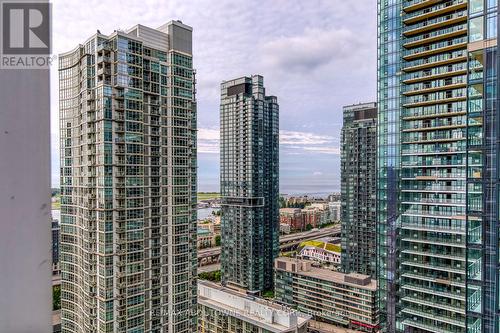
column 438, row 137
column 128, row 182
column 249, row 178
column 358, row 188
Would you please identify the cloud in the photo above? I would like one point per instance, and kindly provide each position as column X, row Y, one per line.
column 312, row 49
column 324, row 150
column 299, row 143
column 208, row 140
column 303, row 138
column 291, row 142
column 315, row 57
column 317, row 173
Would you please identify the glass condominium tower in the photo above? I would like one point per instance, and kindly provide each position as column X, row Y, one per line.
column 249, row 178
column 437, row 192
column 128, row 182
column 358, row 188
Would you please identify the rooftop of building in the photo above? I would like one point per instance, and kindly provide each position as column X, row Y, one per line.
column 316, row 243
column 262, row 313
column 305, row 268
column 290, row 210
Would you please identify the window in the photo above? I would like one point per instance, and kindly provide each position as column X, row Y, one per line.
column 476, row 29
column 491, row 26
column 476, row 6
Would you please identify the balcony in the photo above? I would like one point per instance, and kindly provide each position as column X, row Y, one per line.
column 413, row 5
column 426, row 253
column 435, row 304
column 441, row 47
column 433, row 126
column 458, row 282
column 104, row 71
column 435, row 73
column 435, row 23
column 426, row 265
column 434, row 228
column 439, row 100
column 433, row 291
column 434, row 114
column 103, row 59
column 439, row 60
column 433, row 11
column 424, row 89
column 436, row 36
column 434, row 242
column 439, row 318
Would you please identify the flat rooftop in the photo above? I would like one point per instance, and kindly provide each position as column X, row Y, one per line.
column 329, row 275
column 259, row 312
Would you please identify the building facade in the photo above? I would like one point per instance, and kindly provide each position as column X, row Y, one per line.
column 249, row 178
column 335, row 210
column 358, row 188
column 128, row 182
column 293, row 218
column 438, row 237
column 225, row 310
column 321, row 254
column 345, row 300
column 56, row 229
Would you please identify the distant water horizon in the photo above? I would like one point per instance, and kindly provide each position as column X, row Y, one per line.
column 295, row 190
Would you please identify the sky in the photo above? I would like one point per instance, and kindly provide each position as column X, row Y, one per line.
column 315, row 55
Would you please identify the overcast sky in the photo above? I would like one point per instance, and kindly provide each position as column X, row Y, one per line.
column 315, row 56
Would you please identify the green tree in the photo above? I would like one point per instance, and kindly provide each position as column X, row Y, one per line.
column 309, row 226
column 56, row 297
column 210, row 276
column 217, row 240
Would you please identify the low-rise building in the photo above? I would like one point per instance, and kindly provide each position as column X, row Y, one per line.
column 312, row 216
column 285, row 228
column 292, row 217
column 225, row 310
column 346, row 300
column 323, row 254
column 207, row 234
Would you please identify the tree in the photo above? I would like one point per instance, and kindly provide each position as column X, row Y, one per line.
column 217, row 240
column 56, row 298
column 309, row 226
column 210, row 276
